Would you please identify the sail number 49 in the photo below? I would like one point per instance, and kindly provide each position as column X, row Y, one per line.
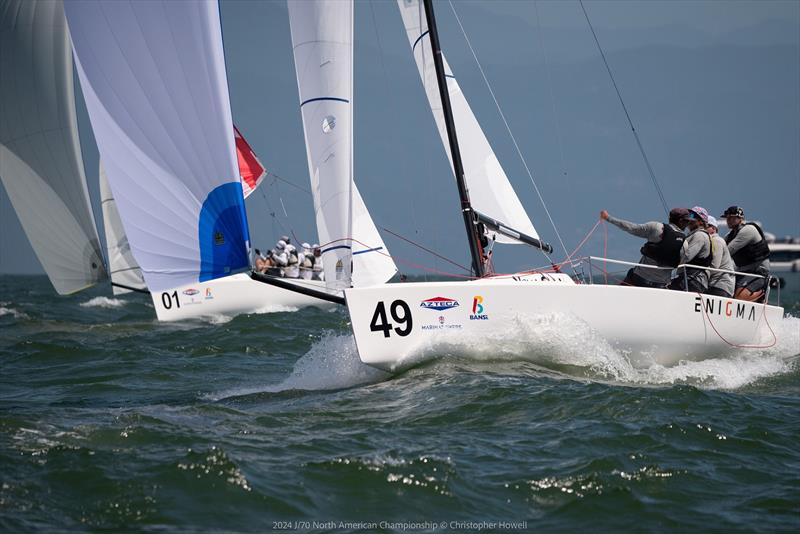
column 380, row 323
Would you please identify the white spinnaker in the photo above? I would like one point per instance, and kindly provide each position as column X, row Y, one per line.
column 372, row 263
column 122, row 267
column 322, row 42
column 40, row 154
column 153, row 76
column 489, row 189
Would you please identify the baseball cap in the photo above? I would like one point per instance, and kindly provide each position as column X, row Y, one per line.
column 733, row 211
column 712, row 222
column 678, row 213
column 700, row 213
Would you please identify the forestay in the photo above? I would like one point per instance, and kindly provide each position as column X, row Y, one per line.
column 122, row 267
column 490, row 191
column 40, row 154
column 322, row 41
column 153, row 76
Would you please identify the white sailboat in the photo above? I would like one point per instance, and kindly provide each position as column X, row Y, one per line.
column 173, row 168
column 395, row 325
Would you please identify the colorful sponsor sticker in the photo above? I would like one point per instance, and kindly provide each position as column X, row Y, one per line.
column 439, row 303
column 477, row 310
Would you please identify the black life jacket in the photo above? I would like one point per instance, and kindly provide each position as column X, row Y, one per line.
column 707, row 260
column 752, row 253
column 666, row 252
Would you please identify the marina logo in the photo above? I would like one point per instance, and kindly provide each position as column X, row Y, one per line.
column 190, row 292
column 439, row 303
column 441, row 319
column 477, row 309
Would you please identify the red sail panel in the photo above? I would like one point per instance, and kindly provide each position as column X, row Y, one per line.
column 250, row 168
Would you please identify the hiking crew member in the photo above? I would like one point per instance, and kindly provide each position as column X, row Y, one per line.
column 306, row 262
column 316, row 268
column 750, row 252
column 663, row 247
column 292, row 269
column 720, row 284
column 279, row 259
column 697, row 250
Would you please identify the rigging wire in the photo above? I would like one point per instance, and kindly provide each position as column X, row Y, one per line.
column 625, row 108
column 508, row 129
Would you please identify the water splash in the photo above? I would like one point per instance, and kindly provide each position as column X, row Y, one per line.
column 563, row 343
column 104, row 302
column 331, row 363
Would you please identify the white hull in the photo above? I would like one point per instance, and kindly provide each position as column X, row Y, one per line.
column 232, row 295
column 650, row 325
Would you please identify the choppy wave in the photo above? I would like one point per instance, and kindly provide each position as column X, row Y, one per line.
column 104, row 302
column 16, row 314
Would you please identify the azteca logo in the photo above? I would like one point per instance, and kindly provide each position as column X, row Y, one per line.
column 477, row 309
column 191, row 292
column 438, row 303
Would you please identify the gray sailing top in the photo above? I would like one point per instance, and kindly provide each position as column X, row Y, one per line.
column 697, row 244
column 652, row 231
column 721, row 259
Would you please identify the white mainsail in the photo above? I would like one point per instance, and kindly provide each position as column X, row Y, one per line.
column 153, row 76
column 122, row 267
column 322, row 42
column 40, row 154
column 490, row 191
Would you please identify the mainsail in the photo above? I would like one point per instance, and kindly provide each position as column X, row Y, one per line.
column 153, row 76
column 122, row 267
column 322, row 41
column 490, row 191
column 40, row 154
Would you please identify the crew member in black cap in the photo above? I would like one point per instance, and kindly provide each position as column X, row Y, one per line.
column 750, row 252
column 663, row 247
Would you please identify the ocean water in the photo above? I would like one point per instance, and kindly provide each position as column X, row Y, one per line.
column 110, row 420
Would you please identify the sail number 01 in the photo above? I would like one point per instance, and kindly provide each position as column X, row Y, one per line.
column 380, row 323
column 168, row 298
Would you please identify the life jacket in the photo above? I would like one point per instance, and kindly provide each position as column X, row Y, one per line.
column 751, row 253
column 666, row 252
column 707, row 260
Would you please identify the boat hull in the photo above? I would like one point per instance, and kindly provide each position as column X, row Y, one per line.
column 232, row 295
column 650, row 326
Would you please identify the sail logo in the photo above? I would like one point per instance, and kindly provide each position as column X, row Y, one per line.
column 439, row 303
column 477, row 309
column 190, row 292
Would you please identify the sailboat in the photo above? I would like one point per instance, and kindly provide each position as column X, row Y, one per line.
column 42, row 170
column 395, row 325
column 161, row 117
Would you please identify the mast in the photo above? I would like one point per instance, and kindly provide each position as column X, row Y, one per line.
column 475, row 248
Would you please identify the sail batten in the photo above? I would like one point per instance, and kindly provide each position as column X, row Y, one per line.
column 489, row 188
column 157, row 95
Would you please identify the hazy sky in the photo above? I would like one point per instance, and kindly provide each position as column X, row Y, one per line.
column 713, row 89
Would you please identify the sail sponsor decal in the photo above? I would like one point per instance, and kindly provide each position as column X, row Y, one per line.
column 439, row 303
column 733, row 309
column 477, row 309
